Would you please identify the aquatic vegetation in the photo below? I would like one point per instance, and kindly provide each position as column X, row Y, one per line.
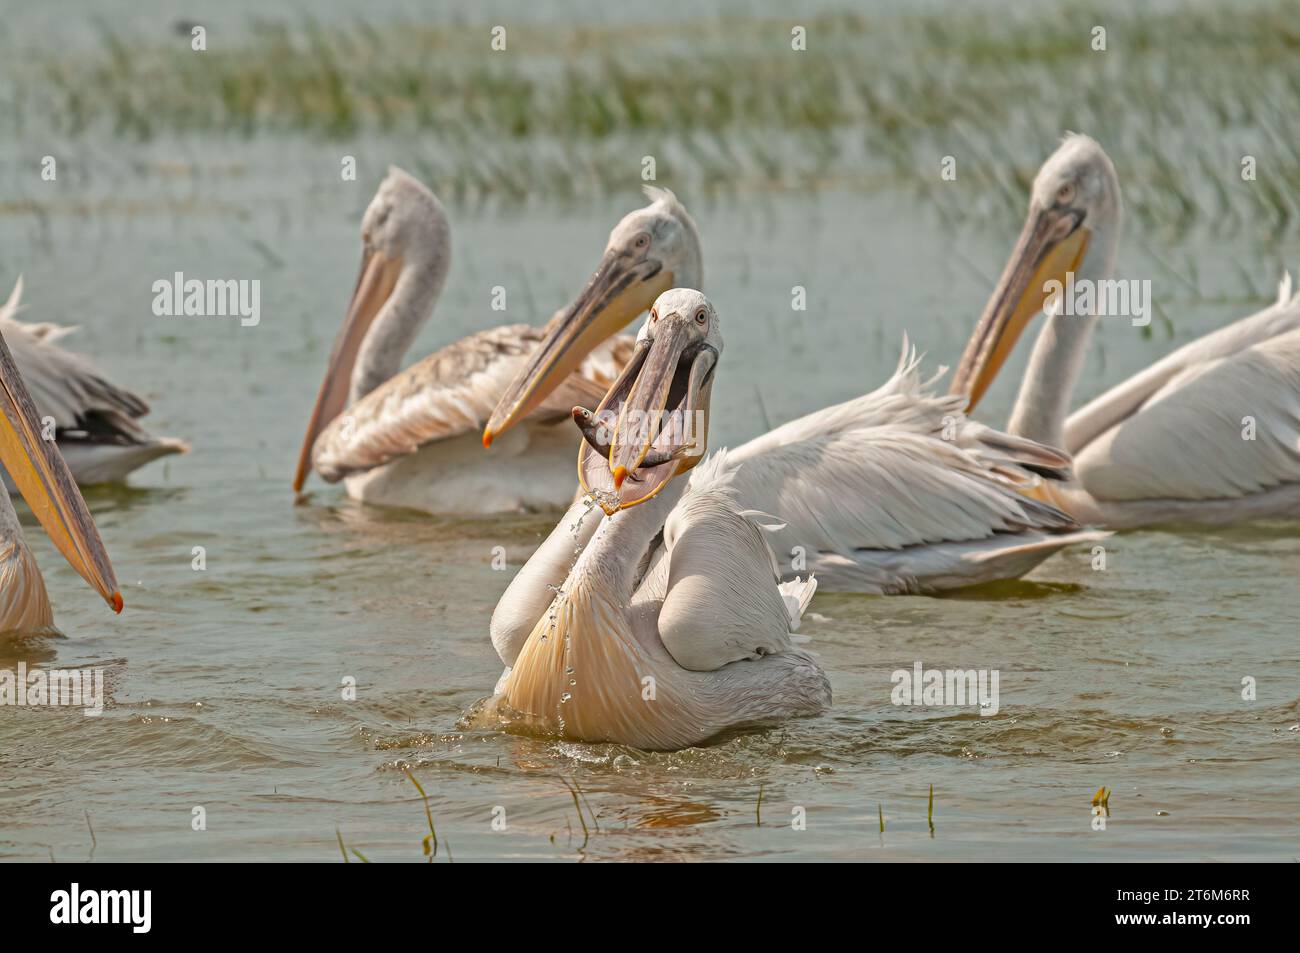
column 1102, row 799
column 344, row 850
column 1179, row 97
column 430, row 843
column 579, row 803
column 94, row 842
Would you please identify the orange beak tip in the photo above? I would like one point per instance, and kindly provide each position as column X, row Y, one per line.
column 487, row 439
column 117, row 602
column 620, row 474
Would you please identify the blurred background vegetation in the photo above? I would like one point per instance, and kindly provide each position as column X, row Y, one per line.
column 1182, row 92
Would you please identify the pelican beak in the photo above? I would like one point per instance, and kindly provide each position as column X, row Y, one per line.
column 1051, row 246
column 375, row 285
column 653, row 423
column 38, row 470
column 622, row 287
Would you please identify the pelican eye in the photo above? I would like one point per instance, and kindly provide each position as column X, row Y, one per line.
column 701, row 316
column 654, row 315
column 1065, row 194
column 642, row 241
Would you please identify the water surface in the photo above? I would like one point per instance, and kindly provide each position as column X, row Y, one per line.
column 227, row 683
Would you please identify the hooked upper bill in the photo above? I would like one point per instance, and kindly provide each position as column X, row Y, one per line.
column 620, row 289
column 653, row 422
column 41, row 475
column 1051, row 245
column 649, row 250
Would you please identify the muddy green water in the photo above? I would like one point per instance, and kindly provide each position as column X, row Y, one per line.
column 226, row 683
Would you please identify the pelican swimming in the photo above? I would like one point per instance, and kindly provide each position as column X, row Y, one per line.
column 34, row 464
column 672, row 625
column 412, row 438
column 892, row 492
column 94, row 420
column 1208, row 434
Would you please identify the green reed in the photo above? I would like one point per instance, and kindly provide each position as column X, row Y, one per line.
column 727, row 108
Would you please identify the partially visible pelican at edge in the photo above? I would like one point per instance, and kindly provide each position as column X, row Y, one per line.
column 411, row 438
column 36, row 467
column 95, row 421
column 672, row 625
column 1167, row 445
column 892, row 492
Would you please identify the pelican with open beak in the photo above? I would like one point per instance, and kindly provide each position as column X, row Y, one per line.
column 699, row 642
column 411, row 438
column 895, row 491
column 653, row 424
column 39, row 472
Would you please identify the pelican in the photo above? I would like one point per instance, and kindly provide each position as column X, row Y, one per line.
column 94, row 420
column 1170, row 444
column 662, row 645
column 41, row 475
column 411, row 439
column 892, row 492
